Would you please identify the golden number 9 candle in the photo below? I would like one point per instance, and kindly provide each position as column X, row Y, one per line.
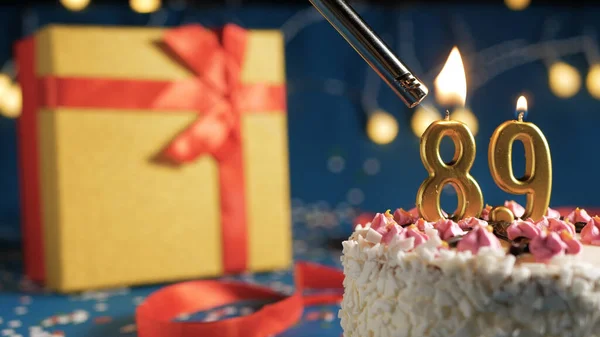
column 537, row 181
column 456, row 172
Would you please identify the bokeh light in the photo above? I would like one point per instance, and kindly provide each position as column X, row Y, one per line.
column 11, row 101
column 468, row 117
column 592, row 81
column 145, row 6
column 517, row 5
column 564, row 80
column 5, row 82
column 75, row 5
column 422, row 118
column 382, row 127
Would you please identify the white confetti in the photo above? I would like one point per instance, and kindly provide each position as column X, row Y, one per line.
column 138, row 300
column 8, row 332
column 63, row 319
column 14, row 324
column 20, row 310
column 47, row 323
column 35, row 329
column 80, row 316
column 101, row 307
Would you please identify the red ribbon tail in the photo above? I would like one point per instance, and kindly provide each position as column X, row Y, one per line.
column 155, row 316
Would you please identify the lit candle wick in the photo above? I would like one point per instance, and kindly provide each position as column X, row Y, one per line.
column 447, row 115
column 521, row 108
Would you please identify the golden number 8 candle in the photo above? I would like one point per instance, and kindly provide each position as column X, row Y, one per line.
column 470, row 199
column 537, row 181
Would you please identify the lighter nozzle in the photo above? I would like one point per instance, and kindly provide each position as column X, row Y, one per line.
column 410, row 89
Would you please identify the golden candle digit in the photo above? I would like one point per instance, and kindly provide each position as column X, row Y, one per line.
column 451, row 89
column 536, row 183
column 456, row 173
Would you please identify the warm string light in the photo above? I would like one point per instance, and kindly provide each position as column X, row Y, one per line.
column 75, row 5
column 422, row 118
column 592, row 81
column 466, row 116
column 11, row 101
column 564, row 79
column 10, row 97
column 382, row 127
column 5, row 83
column 145, row 6
column 517, row 5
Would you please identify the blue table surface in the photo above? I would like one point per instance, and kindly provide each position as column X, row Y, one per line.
column 26, row 309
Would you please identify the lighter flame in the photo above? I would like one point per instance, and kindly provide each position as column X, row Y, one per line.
column 522, row 104
column 451, row 83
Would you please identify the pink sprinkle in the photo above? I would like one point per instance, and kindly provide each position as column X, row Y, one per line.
column 414, row 232
column 393, row 234
column 573, row 245
column 448, row 229
column 542, row 223
column 471, row 222
column 485, row 213
column 414, row 212
column 578, row 215
column 403, row 217
column 552, row 213
column 557, row 225
column 422, row 225
column 590, row 234
column 515, row 208
column 520, row 228
column 380, row 220
column 478, row 237
column 547, row 245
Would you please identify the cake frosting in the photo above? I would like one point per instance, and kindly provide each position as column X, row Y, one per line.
column 468, row 279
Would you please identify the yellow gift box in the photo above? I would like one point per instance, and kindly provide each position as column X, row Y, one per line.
column 151, row 155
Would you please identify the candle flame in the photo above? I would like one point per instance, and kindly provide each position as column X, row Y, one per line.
column 451, row 83
column 522, row 104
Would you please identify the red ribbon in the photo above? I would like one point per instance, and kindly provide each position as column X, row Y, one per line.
column 216, row 93
column 155, row 316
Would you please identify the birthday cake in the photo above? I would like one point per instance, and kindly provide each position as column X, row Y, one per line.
column 408, row 277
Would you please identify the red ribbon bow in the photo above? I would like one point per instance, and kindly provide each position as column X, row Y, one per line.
column 217, row 91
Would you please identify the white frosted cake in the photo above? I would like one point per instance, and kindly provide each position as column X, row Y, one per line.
column 408, row 277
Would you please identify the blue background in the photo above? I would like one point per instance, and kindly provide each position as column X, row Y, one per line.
column 327, row 79
column 505, row 56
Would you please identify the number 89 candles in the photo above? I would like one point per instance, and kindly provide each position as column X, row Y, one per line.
column 536, row 183
column 451, row 90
